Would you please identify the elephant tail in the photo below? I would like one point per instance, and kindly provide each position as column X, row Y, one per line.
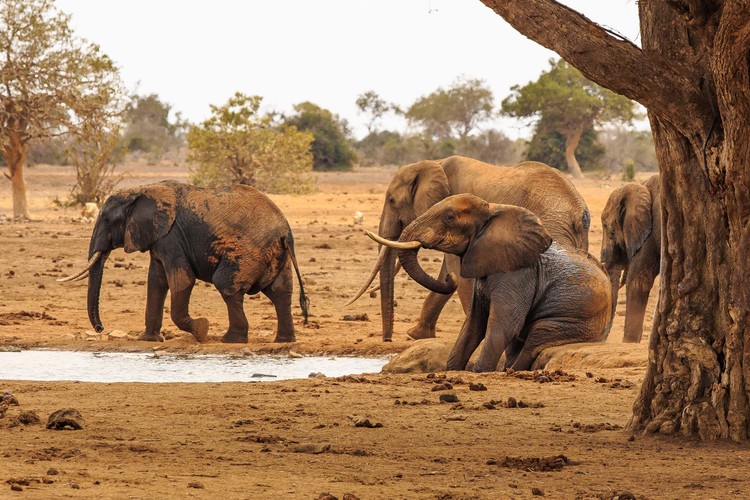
column 304, row 302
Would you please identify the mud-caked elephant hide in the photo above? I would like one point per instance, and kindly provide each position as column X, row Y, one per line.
column 631, row 248
column 235, row 238
column 529, row 292
column 416, row 187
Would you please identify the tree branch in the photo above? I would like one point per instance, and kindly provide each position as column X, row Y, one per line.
column 669, row 89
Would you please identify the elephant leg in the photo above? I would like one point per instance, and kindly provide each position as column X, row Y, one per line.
column 543, row 334
column 238, row 327
column 434, row 303
column 181, row 281
column 638, row 288
column 472, row 333
column 280, row 294
column 155, row 296
column 502, row 327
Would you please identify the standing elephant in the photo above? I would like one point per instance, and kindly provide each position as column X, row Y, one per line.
column 235, row 238
column 631, row 248
column 416, row 187
column 529, row 293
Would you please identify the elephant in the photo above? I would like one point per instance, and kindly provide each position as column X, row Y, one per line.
column 631, row 248
column 530, row 293
column 416, row 187
column 234, row 237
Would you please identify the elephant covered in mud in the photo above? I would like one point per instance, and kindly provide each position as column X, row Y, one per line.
column 631, row 248
column 529, row 292
column 416, row 187
column 235, row 238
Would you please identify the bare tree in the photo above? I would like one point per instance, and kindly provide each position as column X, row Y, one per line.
column 50, row 83
column 693, row 76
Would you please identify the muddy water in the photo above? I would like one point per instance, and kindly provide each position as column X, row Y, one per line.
column 147, row 367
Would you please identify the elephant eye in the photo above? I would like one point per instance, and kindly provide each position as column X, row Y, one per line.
column 392, row 200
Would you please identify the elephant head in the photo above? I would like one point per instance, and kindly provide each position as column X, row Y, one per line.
column 626, row 223
column 490, row 238
column 413, row 190
column 133, row 219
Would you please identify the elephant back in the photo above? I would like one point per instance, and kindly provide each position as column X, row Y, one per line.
column 543, row 190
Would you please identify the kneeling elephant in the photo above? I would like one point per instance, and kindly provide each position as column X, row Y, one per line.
column 529, row 293
column 235, row 238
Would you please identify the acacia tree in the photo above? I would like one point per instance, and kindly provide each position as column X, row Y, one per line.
column 562, row 100
column 372, row 104
column 693, row 76
column 453, row 112
column 50, row 83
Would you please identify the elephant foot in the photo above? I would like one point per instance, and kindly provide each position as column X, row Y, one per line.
column 152, row 337
column 200, row 329
column 285, row 338
column 421, row 331
column 234, row 338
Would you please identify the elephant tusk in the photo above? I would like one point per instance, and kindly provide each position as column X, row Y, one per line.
column 401, row 245
column 396, row 269
column 85, row 271
column 373, row 273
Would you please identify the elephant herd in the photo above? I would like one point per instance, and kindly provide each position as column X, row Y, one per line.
column 515, row 243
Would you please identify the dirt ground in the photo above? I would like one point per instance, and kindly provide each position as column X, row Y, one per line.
column 373, row 436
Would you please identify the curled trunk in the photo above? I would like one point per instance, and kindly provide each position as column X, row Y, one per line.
column 95, row 285
column 410, row 263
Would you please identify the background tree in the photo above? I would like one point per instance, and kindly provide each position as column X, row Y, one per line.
column 562, row 100
column 239, row 145
column 51, row 83
column 693, row 77
column 95, row 150
column 148, row 127
column 371, row 104
column 455, row 112
column 622, row 145
column 550, row 147
column 331, row 147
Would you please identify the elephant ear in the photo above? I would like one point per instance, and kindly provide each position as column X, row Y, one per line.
column 512, row 238
column 635, row 216
column 430, row 186
column 151, row 216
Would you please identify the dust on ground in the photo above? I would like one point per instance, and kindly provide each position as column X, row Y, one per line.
column 300, row 439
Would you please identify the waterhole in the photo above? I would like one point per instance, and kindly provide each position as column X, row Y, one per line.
column 162, row 367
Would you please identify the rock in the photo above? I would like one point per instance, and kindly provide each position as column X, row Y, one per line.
column 355, row 317
column 426, row 355
column 196, row 485
column 294, row 355
column 65, row 418
column 537, row 492
column 29, row 418
column 512, row 403
column 9, row 399
column 90, row 210
column 311, row 448
column 445, row 386
column 117, row 334
column 316, row 375
column 477, row 387
column 365, row 422
column 448, row 398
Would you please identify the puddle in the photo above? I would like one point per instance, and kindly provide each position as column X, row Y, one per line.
column 148, row 367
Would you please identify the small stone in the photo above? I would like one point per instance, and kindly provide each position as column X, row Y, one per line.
column 445, row 386
column 356, row 317
column 9, row 399
column 477, row 387
column 631, row 438
column 117, row 334
column 53, row 472
column 365, row 422
column 75, row 486
column 15, row 487
column 316, row 375
column 294, row 355
column 537, row 492
column 373, row 294
column 29, row 418
column 448, row 398
column 311, row 448
column 196, row 485
column 65, row 418
column 512, row 403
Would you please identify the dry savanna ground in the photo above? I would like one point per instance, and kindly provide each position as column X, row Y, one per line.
column 503, row 436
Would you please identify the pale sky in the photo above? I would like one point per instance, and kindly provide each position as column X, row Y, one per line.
column 194, row 53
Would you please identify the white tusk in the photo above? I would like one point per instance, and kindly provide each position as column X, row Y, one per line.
column 375, row 271
column 401, row 245
column 78, row 276
column 396, row 269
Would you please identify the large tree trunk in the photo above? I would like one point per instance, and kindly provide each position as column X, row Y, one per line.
column 572, row 138
column 693, row 76
column 15, row 156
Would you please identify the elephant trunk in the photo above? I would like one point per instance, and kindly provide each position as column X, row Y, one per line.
column 387, row 274
column 410, row 263
column 615, row 272
column 95, row 285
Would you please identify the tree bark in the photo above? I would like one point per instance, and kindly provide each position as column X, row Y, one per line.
column 572, row 138
column 693, row 75
column 15, row 155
